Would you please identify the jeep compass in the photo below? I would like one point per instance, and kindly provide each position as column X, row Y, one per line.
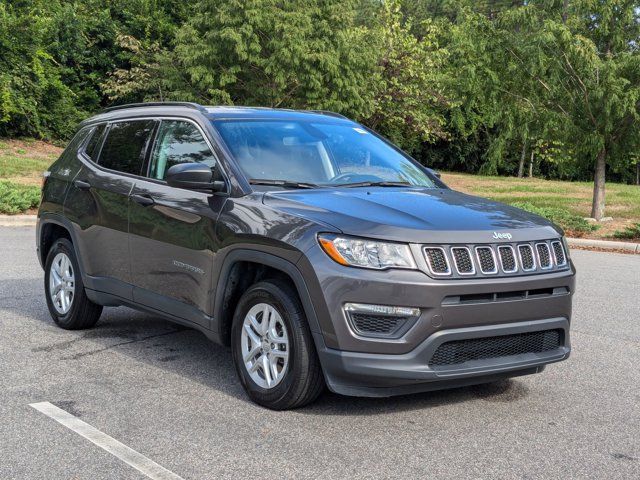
column 319, row 252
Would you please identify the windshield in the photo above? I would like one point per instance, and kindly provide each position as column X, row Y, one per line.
column 317, row 153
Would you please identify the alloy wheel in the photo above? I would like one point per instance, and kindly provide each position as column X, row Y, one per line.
column 265, row 345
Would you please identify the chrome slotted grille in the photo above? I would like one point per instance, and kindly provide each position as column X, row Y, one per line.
column 437, row 260
column 462, row 259
column 507, row 259
column 486, row 260
column 558, row 253
column 544, row 256
column 502, row 259
column 527, row 259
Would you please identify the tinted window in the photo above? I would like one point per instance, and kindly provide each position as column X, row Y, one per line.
column 178, row 142
column 125, row 146
column 93, row 145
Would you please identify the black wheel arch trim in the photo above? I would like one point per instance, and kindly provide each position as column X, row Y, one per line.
column 56, row 219
column 270, row 260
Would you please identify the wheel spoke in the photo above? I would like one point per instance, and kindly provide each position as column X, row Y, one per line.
column 56, row 297
column 56, row 276
column 266, row 370
column 283, row 340
column 266, row 313
column 57, row 268
column 252, row 353
column 64, row 267
column 65, row 299
column 254, row 366
column 273, row 364
column 255, row 340
column 279, row 353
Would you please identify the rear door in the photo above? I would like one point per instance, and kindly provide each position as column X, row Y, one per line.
column 172, row 230
column 98, row 201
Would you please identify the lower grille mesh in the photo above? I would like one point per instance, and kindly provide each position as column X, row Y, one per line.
column 378, row 324
column 461, row 351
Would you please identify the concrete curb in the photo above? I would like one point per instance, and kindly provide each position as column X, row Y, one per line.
column 17, row 220
column 627, row 247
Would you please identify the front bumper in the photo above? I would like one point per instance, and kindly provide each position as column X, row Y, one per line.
column 381, row 375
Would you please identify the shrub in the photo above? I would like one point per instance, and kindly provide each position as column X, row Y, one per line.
column 629, row 233
column 16, row 198
column 572, row 224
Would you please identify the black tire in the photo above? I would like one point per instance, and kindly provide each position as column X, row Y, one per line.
column 83, row 313
column 303, row 381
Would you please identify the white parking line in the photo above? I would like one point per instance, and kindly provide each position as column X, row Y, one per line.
column 138, row 461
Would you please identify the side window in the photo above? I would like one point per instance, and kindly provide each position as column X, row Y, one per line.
column 125, row 146
column 95, row 142
column 178, row 142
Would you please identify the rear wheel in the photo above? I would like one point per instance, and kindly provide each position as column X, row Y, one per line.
column 273, row 349
column 68, row 304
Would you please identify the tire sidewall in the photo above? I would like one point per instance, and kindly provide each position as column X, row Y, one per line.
column 63, row 246
column 266, row 292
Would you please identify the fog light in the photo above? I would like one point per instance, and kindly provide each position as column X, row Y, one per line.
column 380, row 320
column 382, row 310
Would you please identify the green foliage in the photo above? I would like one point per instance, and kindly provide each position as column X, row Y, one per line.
column 572, row 224
column 33, row 98
column 462, row 85
column 16, row 198
column 409, row 102
column 629, row 233
column 296, row 54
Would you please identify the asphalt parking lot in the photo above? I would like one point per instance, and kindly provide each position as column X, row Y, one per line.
column 172, row 396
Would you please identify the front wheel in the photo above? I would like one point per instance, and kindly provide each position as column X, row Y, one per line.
column 273, row 349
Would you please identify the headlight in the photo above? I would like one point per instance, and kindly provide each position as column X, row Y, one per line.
column 360, row 252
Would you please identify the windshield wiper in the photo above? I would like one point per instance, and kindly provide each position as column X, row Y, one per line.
column 282, row 183
column 374, row 184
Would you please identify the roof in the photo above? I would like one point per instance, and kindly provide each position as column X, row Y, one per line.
column 214, row 112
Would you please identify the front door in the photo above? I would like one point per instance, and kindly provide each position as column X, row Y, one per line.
column 172, row 230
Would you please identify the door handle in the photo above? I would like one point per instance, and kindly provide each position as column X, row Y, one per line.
column 81, row 184
column 144, row 200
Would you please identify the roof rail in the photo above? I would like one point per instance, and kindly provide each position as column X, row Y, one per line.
column 195, row 106
column 326, row 112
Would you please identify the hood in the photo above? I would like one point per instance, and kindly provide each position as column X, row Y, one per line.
column 415, row 215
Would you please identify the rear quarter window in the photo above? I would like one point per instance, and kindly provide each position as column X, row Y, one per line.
column 92, row 149
column 125, row 146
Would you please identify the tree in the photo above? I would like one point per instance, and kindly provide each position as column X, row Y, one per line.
column 33, row 98
column 566, row 73
column 408, row 100
column 297, row 54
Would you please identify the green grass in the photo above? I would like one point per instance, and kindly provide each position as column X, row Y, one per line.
column 570, row 223
column 564, row 203
column 628, row 233
column 22, row 166
column 15, row 198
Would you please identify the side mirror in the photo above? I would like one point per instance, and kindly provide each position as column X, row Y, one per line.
column 193, row 176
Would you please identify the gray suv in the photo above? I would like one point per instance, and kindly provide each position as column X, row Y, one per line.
column 315, row 249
